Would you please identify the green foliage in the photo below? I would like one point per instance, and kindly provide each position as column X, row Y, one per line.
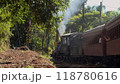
column 97, row 8
column 76, row 22
column 119, row 9
column 29, row 67
column 40, row 39
column 4, row 28
column 111, row 14
column 43, row 15
column 91, row 19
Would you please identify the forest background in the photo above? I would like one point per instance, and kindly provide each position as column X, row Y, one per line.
column 35, row 23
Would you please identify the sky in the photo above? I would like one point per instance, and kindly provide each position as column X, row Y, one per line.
column 110, row 4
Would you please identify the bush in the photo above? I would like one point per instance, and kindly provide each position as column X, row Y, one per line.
column 5, row 33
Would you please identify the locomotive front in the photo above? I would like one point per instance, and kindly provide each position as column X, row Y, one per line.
column 62, row 51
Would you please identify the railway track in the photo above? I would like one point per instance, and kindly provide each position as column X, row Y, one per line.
column 69, row 64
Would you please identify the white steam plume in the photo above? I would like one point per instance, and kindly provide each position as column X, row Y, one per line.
column 74, row 6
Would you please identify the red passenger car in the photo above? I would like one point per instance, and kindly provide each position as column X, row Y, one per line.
column 113, row 33
column 92, row 41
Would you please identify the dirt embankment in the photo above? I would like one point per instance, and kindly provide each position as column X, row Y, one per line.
column 23, row 59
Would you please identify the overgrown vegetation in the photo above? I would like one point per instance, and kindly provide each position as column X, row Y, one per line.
column 5, row 25
column 32, row 22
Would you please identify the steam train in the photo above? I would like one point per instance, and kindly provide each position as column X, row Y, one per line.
column 100, row 44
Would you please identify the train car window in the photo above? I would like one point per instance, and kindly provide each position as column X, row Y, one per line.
column 114, row 32
column 68, row 41
column 119, row 30
column 64, row 40
column 100, row 40
column 80, row 37
column 110, row 33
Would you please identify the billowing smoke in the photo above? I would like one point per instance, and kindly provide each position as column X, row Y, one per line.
column 74, row 6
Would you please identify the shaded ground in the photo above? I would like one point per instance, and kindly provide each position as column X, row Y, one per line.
column 22, row 59
column 69, row 64
column 76, row 65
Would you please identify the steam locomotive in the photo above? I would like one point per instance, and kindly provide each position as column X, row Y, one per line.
column 100, row 44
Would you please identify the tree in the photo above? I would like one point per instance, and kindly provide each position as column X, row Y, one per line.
column 43, row 13
column 119, row 9
column 5, row 24
column 91, row 20
column 110, row 15
column 97, row 8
